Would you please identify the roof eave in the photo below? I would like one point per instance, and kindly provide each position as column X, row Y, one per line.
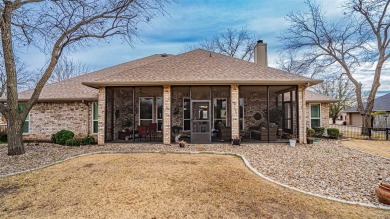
column 210, row 82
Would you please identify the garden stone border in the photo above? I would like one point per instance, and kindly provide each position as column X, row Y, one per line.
column 242, row 157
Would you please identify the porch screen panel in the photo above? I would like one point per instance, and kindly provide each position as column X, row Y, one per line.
column 220, row 111
column 159, row 103
column 186, row 114
column 241, row 114
column 146, row 110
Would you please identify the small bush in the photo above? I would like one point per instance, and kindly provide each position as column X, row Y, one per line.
column 345, row 123
column 319, row 131
column 87, row 140
column 310, row 132
column 333, row 132
column 3, row 137
column 72, row 142
column 62, row 136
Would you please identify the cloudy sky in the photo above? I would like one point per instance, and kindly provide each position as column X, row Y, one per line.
column 189, row 21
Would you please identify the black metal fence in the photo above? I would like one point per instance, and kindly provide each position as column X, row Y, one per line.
column 362, row 133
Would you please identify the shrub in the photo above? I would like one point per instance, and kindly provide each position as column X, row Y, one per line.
column 319, row 131
column 62, row 136
column 72, row 142
column 345, row 123
column 333, row 132
column 310, row 132
column 87, row 140
column 3, row 137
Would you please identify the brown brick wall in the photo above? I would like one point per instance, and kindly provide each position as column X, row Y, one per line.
column 49, row 118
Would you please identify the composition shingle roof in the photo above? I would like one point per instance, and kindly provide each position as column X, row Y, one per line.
column 381, row 103
column 194, row 67
column 312, row 97
column 73, row 89
column 201, row 67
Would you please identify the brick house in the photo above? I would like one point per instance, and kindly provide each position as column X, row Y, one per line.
column 211, row 97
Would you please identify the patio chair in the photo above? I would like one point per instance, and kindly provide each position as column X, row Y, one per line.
column 142, row 132
column 153, row 130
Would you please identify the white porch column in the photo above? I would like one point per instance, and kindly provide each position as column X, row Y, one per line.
column 167, row 114
column 302, row 114
column 101, row 115
column 235, row 103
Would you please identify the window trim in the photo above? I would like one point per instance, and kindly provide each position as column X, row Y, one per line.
column 139, row 110
column 93, row 120
column 320, row 114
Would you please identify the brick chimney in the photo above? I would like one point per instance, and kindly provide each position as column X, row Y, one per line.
column 261, row 53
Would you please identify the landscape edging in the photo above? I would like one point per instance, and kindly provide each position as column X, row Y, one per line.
column 242, row 157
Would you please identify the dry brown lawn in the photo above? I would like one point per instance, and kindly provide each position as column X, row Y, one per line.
column 375, row 147
column 160, row 186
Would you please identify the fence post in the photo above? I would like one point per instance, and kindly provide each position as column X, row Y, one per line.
column 387, row 133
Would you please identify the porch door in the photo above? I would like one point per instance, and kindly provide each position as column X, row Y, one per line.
column 200, row 121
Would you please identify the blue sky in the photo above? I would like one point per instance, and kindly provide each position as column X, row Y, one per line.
column 188, row 22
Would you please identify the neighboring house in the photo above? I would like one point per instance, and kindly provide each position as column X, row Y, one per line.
column 197, row 91
column 381, row 103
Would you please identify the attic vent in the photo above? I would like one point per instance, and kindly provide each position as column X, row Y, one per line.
column 164, row 55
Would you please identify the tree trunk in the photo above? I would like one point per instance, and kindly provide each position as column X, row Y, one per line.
column 366, row 123
column 334, row 120
column 14, row 137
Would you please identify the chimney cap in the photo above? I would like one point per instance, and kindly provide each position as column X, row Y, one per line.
column 260, row 41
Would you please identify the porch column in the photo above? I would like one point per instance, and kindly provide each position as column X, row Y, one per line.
column 167, row 114
column 101, row 115
column 302, row 114
column 235, row 103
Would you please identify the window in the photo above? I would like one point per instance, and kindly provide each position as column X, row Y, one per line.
column 159, row 113
column 186, row 114
column 220, row 111
column 241, row 105
column 95, row 117
column 146, row 110
column 26, row 124
column 315, row 115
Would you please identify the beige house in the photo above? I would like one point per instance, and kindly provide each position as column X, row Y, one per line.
column 207, row 96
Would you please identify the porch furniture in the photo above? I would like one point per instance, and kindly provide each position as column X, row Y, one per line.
column 152, row 130
column 142, row 132
column 122, row 134
column 225, row 133
column 262, row 132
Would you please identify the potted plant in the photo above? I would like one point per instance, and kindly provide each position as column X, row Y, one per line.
column 293, row 141
column 176, row 132
column 310, row 133
column 383, row 191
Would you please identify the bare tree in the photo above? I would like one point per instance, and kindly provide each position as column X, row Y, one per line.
column 54, row 26
column 232, row 42
column 340, row 88
column 67, row 68
column 335, row 84
column 23, row 77
column 360, row 39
